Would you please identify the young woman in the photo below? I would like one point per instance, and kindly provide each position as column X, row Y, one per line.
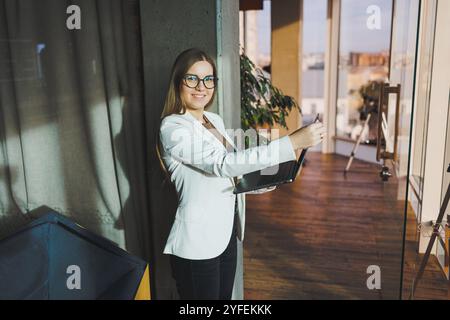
column 202, row 162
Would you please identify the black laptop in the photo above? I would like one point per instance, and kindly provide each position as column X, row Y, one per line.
column 269, row 177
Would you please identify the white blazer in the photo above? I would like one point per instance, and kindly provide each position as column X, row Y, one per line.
column 202, row 170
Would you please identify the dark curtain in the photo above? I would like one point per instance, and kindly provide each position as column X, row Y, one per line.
column 72, row 120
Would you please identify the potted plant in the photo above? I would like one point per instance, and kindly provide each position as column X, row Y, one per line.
column 262, row 104
column 369, row 94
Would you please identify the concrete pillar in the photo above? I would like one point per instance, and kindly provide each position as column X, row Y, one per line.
column 168, row 28
column 228, row 62
column 287, row 53
column 331, row 75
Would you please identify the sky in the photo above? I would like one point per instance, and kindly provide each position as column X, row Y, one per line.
column 355, row 35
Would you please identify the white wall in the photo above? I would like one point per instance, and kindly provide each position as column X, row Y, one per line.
column 437, row 120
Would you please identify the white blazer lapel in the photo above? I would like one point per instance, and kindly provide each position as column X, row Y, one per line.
column 209, row 135
column 205, row 133
column 222, row 131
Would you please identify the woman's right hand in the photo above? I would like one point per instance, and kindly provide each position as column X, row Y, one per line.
column 308, row 136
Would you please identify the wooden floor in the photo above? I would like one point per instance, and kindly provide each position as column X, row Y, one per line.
column 315, row 238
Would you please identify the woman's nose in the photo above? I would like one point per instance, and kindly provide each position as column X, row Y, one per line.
column 200, row 86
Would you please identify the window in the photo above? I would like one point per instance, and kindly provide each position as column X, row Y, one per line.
column 364, row 55
column 255, row 35
column 314, row 41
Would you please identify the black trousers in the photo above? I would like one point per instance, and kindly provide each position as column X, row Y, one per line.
column 210, row 279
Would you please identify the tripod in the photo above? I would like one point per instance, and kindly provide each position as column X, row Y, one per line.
column 368, row 113
column 432, row 240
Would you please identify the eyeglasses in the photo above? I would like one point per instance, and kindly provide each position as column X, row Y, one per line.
column 192, row 81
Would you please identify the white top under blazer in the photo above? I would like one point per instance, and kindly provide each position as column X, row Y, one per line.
column 202, row 171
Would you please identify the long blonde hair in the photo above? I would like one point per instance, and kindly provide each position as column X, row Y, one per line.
column 173, row 103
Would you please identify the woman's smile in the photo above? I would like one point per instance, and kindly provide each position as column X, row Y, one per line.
column 199, row 96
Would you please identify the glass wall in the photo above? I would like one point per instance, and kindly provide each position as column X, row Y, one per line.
column 447, row 159
column 403, row 70
column 403, row 63
column 364, row 53
column 443, row 251
column 420, row 128
column 376, row 45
